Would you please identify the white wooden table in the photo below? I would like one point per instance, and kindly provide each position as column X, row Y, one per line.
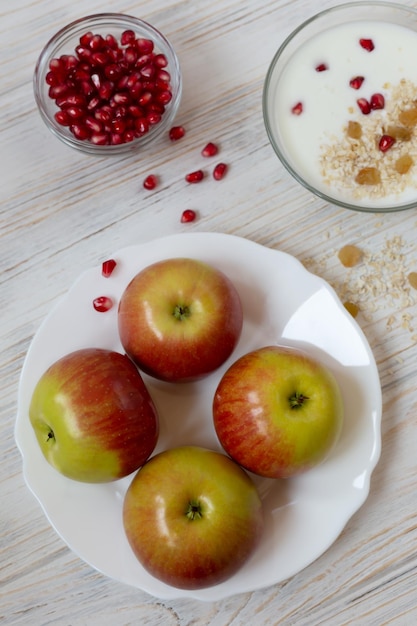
column 61, row 212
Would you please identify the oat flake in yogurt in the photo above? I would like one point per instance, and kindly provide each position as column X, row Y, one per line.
column 348, row 98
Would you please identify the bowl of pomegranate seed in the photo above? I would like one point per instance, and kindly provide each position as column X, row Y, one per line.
column 108, row 84
column 340, row 105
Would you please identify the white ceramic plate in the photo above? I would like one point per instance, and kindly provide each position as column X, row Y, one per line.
column 283, row 303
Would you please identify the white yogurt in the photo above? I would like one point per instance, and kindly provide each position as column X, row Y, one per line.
column 329, row 102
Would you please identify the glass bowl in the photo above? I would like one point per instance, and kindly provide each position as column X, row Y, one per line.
column 116, row 92
column 338, row 105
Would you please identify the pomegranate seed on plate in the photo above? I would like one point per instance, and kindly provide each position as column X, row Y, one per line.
column 219, row 171
column 367, row 44
column 176, row 132
column 322, row 67
column 297, row 109
column 102, row 304
column 377, row 101
column 188, row 216
column 364, row 105
column 195, row 177
column 107, row 267
column 356, row 82
column 209, row 150
column 386, row 142
column 150, row 182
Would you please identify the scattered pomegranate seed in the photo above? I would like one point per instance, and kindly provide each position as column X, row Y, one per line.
column 176, row 132
column 150, row 182
column 195, row 177
column 220, row 171
column 102, row 304
column 367, row 44
column 112, row 82
column 322, row 67
column 356, row 82
column 377, row 101
column 188, row 216
column 364, row 106
column 386, row 142
column 297, row 109
column 108, row 267
column 210, row 150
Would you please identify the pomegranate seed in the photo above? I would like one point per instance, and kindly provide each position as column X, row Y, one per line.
column 93, row 124
column 160, row 60
column 188, row 216
column 107, row 267
column 115, row 82
column 97, row 42
column 163, row 76
column 102, row 304
column 150, row 182
column 142, row 125
column 356, row 82
column 297, row 109
column 195, row 177
column 377, row 101
column 128, row 37
column 364, row 105
column 63, row 118
column 164, row 97
column 144, row 46
column 80, row 132
column 322, row 67
column 367, row 44
column 100, row 139
column 86, row 38
column 75, row 113
column 219, row 171
column 153, row 118
column 386, row 142
column 176, row 132
column 209, row 150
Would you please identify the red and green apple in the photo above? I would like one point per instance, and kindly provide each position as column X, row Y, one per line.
column 192, row 517
column 93, row 416
column 180, row 319
column 278, row 411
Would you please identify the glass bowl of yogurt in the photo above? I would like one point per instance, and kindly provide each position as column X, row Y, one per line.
column 340, row 105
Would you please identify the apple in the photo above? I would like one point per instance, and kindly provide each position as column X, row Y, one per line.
column 192, row 517
column 180, row 319
column 93, row 417
column 277, row 411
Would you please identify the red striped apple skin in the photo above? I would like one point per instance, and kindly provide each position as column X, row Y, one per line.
column 180, row 319
column 192, row 517
column 93, row 416
column 278, row 412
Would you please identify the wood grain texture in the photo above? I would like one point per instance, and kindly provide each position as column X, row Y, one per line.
column 62, row 212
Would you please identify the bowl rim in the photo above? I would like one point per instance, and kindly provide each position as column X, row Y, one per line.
column 265, row 109
column 70, row 29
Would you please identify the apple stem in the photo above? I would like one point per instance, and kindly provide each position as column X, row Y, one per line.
column 194, row 510
column 297, row 400
column 181, row 312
